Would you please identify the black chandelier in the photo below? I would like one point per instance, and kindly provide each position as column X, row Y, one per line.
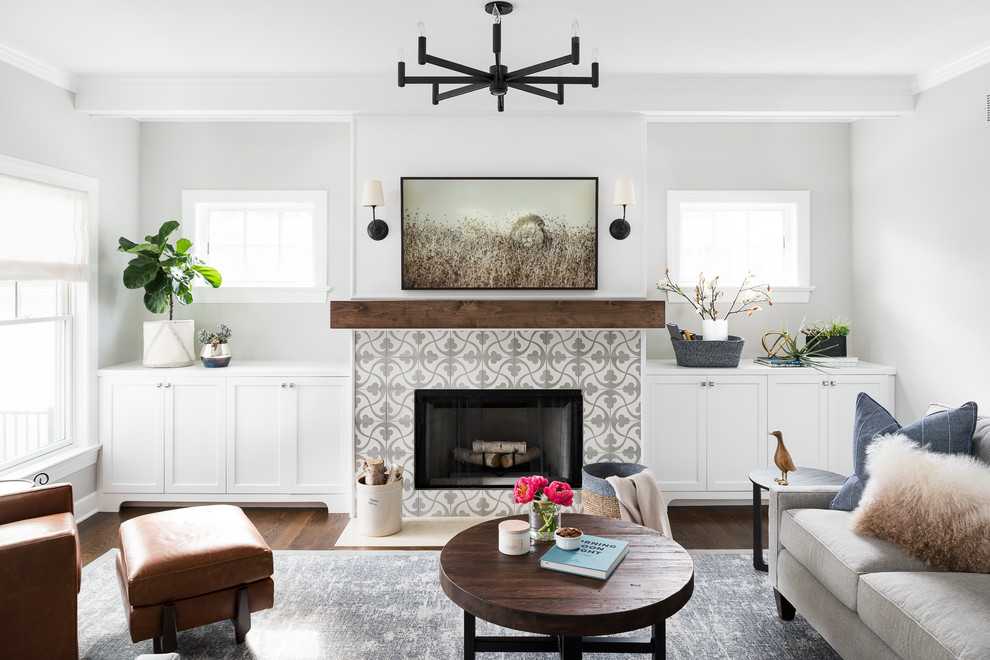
column 499, row 79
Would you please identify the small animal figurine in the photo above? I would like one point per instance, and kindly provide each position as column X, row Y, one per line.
column 782, row 458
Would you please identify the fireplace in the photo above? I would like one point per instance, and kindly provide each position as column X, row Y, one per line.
column 489, row 438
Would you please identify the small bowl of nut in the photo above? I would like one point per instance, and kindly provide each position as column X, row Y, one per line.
column 568, row 538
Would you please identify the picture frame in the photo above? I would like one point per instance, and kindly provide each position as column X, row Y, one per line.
column 506, row 233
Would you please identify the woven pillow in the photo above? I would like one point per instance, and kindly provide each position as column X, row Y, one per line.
column 949, row 432
column 934, row 506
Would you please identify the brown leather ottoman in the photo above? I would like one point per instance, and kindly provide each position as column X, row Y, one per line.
column 189, row 567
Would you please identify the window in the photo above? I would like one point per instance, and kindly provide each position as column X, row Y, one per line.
column 269, row 245
column 47, row 310
column 730, row 232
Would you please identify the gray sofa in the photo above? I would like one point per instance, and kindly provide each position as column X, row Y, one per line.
column 865, row 596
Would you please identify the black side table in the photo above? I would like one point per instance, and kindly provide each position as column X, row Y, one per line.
column 763, row 479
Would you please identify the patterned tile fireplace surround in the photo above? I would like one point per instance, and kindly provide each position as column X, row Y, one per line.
column 391, row 364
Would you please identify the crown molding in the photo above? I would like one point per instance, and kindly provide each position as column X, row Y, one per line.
column 951, row 69
column 334, row 98
column 51, row 74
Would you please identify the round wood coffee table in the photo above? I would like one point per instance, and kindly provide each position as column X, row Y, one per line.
column 653, row 582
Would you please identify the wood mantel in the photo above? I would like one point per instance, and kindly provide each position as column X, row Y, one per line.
column 387, row 314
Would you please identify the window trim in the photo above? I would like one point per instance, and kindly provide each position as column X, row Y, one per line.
column 268, row 294
column 83, row 345
column 799, row 293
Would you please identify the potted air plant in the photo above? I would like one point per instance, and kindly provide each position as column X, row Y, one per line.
column 215, row 351
column 165, row 271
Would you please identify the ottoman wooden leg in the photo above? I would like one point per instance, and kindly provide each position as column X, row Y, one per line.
column 242, row 619
column 168, row 642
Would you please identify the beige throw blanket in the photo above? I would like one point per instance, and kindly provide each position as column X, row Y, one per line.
column 640, row 501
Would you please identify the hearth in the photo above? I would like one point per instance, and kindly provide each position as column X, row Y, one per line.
column 489, row 438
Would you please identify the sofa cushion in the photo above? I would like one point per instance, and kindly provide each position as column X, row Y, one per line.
column 949, row 432
column 981, row 435
column 822, row 540
column 929, row 616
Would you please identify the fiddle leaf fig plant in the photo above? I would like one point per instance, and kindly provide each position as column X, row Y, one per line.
column 164, row 270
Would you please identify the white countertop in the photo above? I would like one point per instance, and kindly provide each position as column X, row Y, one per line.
column 236, row 368
column 747, row 366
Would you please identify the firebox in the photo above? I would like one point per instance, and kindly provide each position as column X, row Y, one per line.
column 490, row 438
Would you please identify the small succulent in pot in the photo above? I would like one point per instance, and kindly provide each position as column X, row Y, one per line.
column 215, row 352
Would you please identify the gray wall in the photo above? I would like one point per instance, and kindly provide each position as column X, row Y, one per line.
column 921, row 237
column 38, row 124
column 256, row 156
column 757, row 156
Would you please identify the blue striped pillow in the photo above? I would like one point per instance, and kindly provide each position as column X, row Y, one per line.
column 946, row 432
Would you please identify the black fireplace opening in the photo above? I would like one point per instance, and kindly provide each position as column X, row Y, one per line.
column 490, row 438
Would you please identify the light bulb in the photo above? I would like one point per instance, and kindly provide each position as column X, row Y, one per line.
column 575, row 29
column 594, row 55
column 422, row 29
column 402, row 55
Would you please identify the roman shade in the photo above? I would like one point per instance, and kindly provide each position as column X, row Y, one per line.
column 42, row 231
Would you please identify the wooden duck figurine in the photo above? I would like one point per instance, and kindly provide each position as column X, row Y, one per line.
column 782, row 458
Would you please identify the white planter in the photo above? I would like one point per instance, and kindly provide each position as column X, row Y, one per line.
column 169, row 343
column 715, row 329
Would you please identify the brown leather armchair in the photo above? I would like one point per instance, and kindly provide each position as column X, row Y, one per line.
column 40, row 573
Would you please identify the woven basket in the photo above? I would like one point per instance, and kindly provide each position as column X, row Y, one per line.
column 708, row 353
column 597, row 495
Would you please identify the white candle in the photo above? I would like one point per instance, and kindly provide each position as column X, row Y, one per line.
column 513, row 537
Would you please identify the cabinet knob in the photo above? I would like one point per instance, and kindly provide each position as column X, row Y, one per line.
column 832, row 383
column 158, row 384
column 168, row 385
column 283, row 384
column 824, row 383
column 711, row 383
column 291, row 385
column 704, row 383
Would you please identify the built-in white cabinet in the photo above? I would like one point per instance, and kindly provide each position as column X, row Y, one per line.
column 257, row 433
column 705, row 429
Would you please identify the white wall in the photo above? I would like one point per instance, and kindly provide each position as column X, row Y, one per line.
column 921, row 239
column 255, row 156
column 389, row 148
column 757, row 156
column 38, row 124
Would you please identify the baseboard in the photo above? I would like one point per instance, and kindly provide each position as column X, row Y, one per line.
column 86, row 506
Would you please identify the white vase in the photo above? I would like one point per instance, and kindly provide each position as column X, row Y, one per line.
column 715, row 329
column 169, row 343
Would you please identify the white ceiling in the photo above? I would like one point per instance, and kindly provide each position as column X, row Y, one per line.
column 361, row 37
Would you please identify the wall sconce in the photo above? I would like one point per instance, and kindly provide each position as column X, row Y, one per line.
column 624, row 195
column 377, row 229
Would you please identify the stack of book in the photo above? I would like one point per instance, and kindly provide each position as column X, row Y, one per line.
column 826, row 362
column 596, row 557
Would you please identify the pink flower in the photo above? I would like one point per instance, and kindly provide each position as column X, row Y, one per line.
column 538, row 482
column 559, row 493
column 524, row 490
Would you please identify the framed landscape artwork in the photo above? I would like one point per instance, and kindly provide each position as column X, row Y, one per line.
column 499, row 233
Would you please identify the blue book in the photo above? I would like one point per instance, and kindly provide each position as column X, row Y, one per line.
column 596, row 557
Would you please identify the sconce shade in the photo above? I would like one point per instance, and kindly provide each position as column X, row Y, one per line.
column 625, row 195
column 373, row 195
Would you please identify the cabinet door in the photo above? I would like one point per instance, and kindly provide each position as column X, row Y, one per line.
column 195, row 435
column 319, row 427
column 842, row 394
column 798, row 408
column 675, row 427
column 737, row 430
column 132, row 434
column 256, row 460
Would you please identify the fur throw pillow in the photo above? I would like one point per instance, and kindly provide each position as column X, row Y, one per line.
column 934, row 506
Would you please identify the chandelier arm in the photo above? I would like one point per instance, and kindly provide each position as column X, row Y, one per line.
column 553, row 96
column 448, row 80
column 554, row 80
column 536, row 68
column 443, row 96
column 454, row 66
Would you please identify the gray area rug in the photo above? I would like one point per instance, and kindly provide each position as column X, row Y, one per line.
column 354, row 605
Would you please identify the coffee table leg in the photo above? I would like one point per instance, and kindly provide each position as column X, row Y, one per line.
column 468, row 636
column 660, row 640
column 570, row 648
column 758, row 562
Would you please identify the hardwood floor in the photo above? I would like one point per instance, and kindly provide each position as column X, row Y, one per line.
column 695, row 528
